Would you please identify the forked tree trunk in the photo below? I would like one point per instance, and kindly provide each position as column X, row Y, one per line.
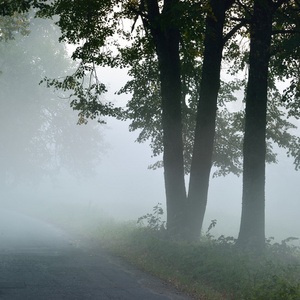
column 252, row 228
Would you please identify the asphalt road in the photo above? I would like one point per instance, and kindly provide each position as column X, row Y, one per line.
column 41, row 262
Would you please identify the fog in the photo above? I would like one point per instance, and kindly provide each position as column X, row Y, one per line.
column 101, row 167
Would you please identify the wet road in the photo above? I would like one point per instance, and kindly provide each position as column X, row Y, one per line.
column 39, row 261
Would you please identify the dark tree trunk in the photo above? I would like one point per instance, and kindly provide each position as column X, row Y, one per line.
column 166, row 39
column 252, row 228
column 172, row 128
column 206, row 116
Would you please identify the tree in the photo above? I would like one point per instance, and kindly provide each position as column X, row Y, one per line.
column 10, row 25
column 166, row 37
column 208, row 99
column 164, row 27
column 252, row 229
column 206, row 116
column 39, row 135
column 255, row 126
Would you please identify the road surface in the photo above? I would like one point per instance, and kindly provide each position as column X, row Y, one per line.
column 41, row 262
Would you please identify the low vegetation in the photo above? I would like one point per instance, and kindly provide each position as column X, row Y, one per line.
column 210, row 269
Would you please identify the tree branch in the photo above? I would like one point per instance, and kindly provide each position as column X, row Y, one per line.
column 229, row 35
column 245, row 7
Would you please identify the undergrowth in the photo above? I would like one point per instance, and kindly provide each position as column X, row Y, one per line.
column 210, row 269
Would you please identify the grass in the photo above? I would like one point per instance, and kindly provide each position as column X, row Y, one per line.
column 212, row 269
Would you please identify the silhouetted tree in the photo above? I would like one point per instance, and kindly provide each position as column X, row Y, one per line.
column 252, row 229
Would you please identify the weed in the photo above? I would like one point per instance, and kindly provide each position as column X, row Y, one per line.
column 154, row 220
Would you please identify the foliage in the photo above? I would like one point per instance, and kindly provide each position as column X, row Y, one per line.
column 212, row 224
column 154, row 220
column 284, row 63
column 102, row 37
column 89, row 26
column 11, row 25
column 9, row 7
column 84, row 97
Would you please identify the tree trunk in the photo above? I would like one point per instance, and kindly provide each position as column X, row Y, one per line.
column 252, row 228
column 166, row 39
column 206, row 116
column 172, row 128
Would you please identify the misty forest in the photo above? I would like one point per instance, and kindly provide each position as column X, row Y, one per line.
column 167, row 130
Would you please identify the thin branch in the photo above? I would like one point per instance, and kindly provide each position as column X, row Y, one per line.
column 134, row 22
column 139, row 13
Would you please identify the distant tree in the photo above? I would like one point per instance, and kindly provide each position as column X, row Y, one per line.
column 11, row 25
column 39, row 136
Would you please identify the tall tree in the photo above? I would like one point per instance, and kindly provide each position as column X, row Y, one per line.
column 252, row 220
column 166, row 36
column 185, row 217
column 206, row 116
column 252, row 228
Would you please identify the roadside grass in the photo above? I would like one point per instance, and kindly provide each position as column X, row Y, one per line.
column 211, row 269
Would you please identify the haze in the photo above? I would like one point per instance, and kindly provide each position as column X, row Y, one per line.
column 48, row 161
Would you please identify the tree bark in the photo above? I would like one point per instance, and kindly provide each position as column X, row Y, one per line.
column 166, row 38
column 252, row 227
column 206, row 116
